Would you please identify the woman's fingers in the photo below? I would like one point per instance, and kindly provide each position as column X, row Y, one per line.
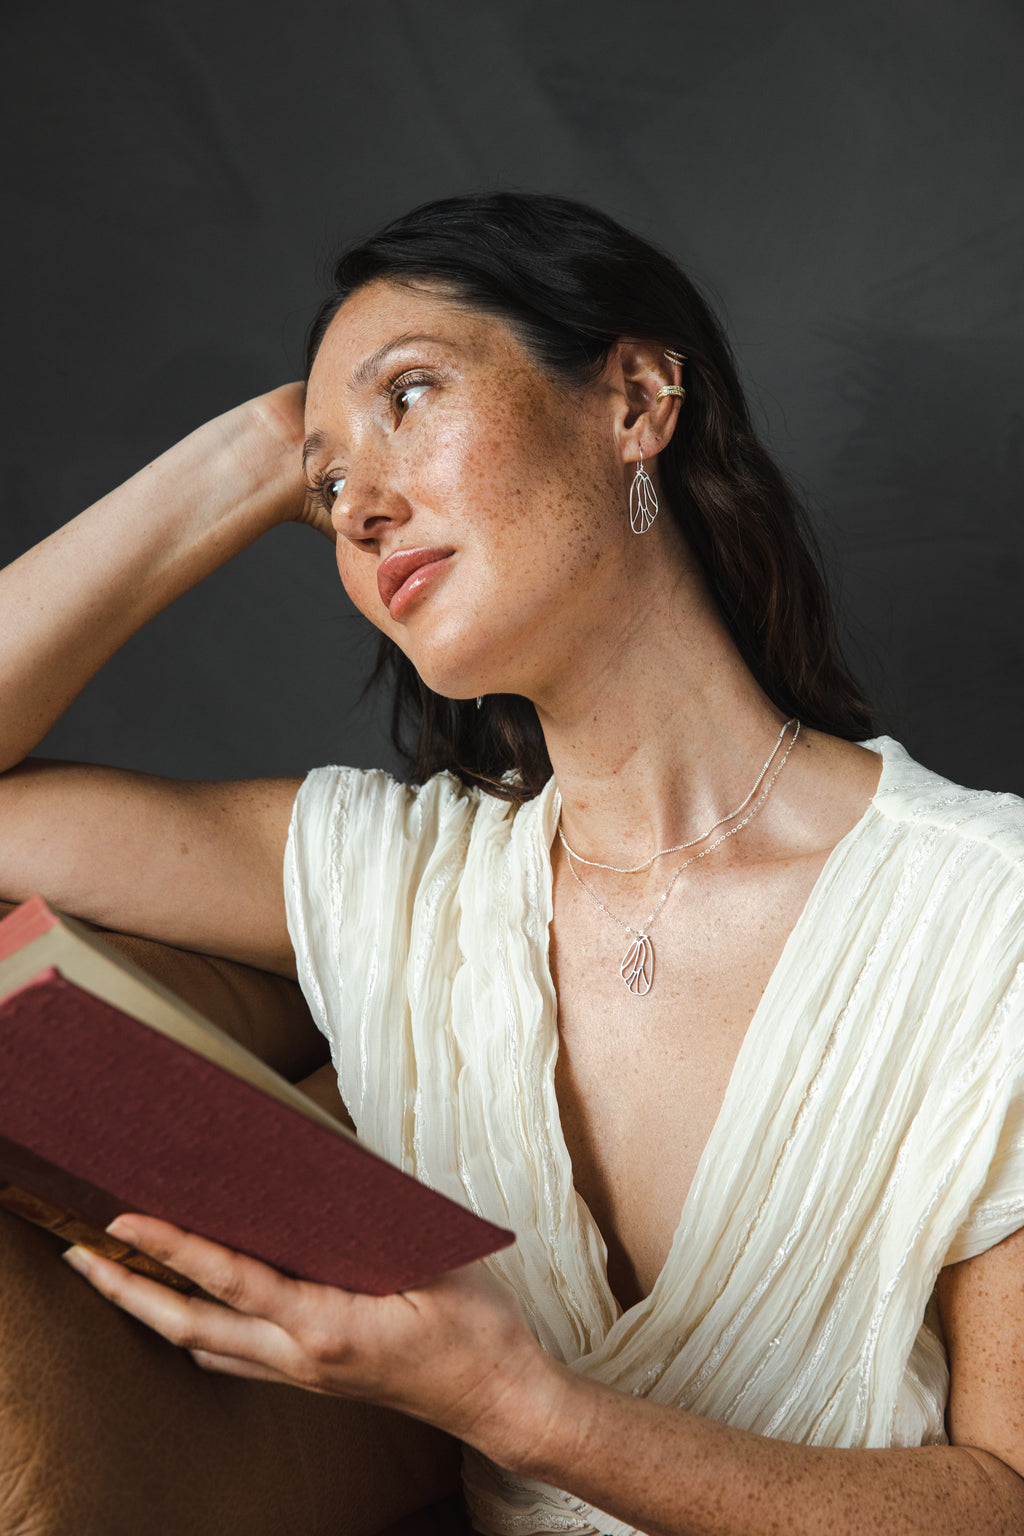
column 448, row 1352
column 278, row 1326
column 232, row 1365
column 241, row 1283
column 190, row 1322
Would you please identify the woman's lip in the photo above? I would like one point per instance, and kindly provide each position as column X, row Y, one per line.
column 402, row 575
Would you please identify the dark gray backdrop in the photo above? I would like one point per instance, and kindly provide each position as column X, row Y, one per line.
column 846, row 179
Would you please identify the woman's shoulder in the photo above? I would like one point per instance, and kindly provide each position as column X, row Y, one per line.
column 369, row 807
column 371, row 790
column 977, row 824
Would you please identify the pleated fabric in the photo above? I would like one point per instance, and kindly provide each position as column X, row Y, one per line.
column 872, row 1129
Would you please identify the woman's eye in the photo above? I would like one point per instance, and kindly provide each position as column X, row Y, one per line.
column 329, row 489
column 407, row 396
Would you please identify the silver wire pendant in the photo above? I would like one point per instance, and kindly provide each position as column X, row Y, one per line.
column 637, row 969
column 643, row 500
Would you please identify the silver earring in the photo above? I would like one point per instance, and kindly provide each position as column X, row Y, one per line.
column 479, row 701
column 643, row 499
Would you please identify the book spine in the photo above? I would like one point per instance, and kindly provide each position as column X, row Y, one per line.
column 69, row 1224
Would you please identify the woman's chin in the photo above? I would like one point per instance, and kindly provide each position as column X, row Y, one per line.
column 458, row 690
column 463, row 680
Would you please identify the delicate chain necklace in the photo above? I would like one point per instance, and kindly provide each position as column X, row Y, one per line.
column 635, row 869
column 637, row 968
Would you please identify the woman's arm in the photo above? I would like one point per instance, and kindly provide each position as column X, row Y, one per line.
column 459, row 1354
column 192, row 864
column 671, row 1473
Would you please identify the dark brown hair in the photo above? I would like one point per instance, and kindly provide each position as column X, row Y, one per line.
column 569, row 281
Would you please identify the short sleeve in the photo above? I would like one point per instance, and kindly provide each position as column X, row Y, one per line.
column 313, row 835
column 996, row 1101
column 998, row 1210
column 351, row 841
column 371, row 880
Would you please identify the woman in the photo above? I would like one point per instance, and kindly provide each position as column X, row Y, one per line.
column 663, row 939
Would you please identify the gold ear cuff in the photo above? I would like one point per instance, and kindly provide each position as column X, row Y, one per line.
column 673, row 389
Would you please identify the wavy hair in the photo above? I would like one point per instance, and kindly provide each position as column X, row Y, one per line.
column 569, row 282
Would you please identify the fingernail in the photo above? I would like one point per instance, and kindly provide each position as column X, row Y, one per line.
column 123, row 1231
column 79, row 1259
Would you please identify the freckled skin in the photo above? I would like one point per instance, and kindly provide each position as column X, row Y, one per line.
column 524, row 480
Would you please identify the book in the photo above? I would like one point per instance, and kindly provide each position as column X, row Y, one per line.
column 116, row 1096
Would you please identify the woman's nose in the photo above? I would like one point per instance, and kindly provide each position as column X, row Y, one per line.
column 367, row 505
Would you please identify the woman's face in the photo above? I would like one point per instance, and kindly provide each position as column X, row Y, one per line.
column 479, row 507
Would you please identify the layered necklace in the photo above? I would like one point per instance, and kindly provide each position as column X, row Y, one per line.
column 637, row 968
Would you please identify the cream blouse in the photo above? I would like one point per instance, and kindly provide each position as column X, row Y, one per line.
column 872, row 1129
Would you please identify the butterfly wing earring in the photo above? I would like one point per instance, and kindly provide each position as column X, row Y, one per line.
column 643, row 499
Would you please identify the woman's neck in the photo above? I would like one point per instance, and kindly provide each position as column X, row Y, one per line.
column 654, row 740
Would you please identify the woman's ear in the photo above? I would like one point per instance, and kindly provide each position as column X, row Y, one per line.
column 648, row 382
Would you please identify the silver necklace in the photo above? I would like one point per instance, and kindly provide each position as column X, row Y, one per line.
column 637, row 968
column 635, row 869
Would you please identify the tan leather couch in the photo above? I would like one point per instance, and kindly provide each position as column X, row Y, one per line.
column 107, row 1430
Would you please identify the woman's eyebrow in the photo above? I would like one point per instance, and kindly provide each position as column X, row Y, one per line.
column 363, row 375
column 372, row 364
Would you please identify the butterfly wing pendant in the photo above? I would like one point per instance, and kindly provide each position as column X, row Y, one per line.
column 637, row 968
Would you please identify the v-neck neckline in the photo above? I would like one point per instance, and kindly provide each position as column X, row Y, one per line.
column 723, row 1127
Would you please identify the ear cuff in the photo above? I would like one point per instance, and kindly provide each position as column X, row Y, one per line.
column 673, row 389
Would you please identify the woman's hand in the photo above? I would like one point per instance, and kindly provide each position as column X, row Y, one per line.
column 276, row 424
column 457, row 1352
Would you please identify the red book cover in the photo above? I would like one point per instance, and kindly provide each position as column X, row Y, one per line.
column 100, row 1113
